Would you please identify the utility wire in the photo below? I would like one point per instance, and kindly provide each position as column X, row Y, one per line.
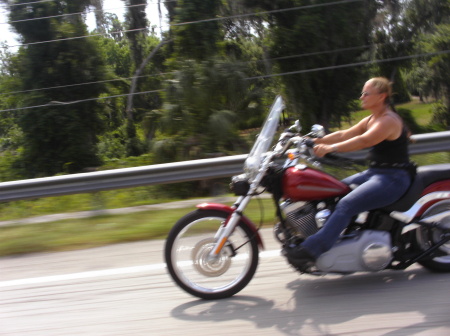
column 173, row 72
column 249, row 78
column 350, row 65
column 341, row 2
column 28, row 3
column 56, row 103
column 267, row 12
column 41, row 1
column 174, row 24
column 131, row 30
column 80, row 37
column 86, row 83
column 77, row 13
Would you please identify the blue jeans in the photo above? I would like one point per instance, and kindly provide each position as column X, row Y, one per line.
column 377, row 187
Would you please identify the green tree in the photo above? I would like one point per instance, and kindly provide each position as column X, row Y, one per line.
column 100, row 18
column 428, row 22
column 203, row 105
column 137, row 23
column 391, row 40
column 194, row 35
column 439, row 67
column 310, row 44
column 398, row 25
column 58, row 135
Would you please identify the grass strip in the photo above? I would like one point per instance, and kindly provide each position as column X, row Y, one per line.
column 102, row 230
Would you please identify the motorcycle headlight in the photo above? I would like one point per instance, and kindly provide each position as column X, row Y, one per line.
column 251, row 166
column 240, row 185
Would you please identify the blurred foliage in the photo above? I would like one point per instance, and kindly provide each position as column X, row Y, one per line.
column 306, row 43
column 55, row 139
column 207, row 103
column 410, row 122
column 204, row 93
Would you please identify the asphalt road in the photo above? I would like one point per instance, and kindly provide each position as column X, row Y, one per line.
column 125, row 290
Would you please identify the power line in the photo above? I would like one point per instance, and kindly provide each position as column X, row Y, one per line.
column 250, row 78
column 76, row 13
column 341, row 2
column 56, row 103
column 81, row 84
column 172, row 24
column 268, row 12
column 67, row 14
column 247, row 62
column 79, row 37
column 350, row 65
column 41, row 1
column 29, row 3
column 168, row 73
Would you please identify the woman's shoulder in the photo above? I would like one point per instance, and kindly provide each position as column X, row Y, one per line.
column 393, row 122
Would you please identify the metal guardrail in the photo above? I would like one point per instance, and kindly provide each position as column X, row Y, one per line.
column 168, row 173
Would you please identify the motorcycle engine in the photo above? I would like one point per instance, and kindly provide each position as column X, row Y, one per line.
column 304, row 217
column 365, row 251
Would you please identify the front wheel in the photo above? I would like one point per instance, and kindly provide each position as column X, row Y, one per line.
column 427, row 237
column 187, row 254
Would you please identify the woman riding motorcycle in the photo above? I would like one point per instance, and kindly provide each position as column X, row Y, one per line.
column 386, row 180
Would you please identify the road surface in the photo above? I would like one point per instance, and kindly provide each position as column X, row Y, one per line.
column 124, row 290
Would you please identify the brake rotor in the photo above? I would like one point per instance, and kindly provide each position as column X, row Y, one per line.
column 207, row 265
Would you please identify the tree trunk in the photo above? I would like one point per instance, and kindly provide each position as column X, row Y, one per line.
column 129, row 109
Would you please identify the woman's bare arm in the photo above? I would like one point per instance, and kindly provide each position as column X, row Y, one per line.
column 343, row 135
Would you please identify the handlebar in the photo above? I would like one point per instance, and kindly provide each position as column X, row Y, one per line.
column 309, row 142
column 331, row 159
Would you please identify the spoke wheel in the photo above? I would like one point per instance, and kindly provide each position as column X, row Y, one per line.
column 428, row 237
column 187, row 254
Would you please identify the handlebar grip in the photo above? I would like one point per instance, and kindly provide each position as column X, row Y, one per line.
column 309, row 143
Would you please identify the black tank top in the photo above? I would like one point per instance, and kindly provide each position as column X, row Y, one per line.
column 391, row 152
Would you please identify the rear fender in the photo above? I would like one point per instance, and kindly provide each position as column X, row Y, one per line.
column 228, row 209
column 432, row 194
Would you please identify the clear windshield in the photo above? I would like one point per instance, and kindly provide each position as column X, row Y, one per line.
column 265, row 139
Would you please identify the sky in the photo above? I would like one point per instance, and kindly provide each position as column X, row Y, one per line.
column 110, row 6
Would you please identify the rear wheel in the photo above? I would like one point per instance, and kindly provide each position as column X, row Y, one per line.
column 187, row 254
column 427, row 237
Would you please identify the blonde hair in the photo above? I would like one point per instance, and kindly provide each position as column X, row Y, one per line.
column 383, row 85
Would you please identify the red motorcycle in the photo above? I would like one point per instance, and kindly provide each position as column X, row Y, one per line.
column 213, row 252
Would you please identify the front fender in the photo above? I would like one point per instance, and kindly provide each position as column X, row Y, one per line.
column 228, row 209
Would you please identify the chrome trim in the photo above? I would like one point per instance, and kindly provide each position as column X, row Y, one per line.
column 430, row 219
column 313, row 188
column 410, row 227
column 408, row 216
column 436, row 218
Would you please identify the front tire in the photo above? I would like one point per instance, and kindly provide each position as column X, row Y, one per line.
column 187, row 256
column 428, row 237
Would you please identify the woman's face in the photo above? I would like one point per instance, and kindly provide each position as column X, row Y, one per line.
column 370, row 97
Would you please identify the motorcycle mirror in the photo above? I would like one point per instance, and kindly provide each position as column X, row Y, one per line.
column 317, row 131
column 296, row 128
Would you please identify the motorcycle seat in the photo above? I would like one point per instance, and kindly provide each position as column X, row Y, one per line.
column 425, row 176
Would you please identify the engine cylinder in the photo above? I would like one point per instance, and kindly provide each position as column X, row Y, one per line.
column 301, row 216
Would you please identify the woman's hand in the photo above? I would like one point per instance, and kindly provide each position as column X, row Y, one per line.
column 322, row 149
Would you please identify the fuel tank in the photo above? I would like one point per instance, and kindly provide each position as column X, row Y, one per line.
column 302, row 183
